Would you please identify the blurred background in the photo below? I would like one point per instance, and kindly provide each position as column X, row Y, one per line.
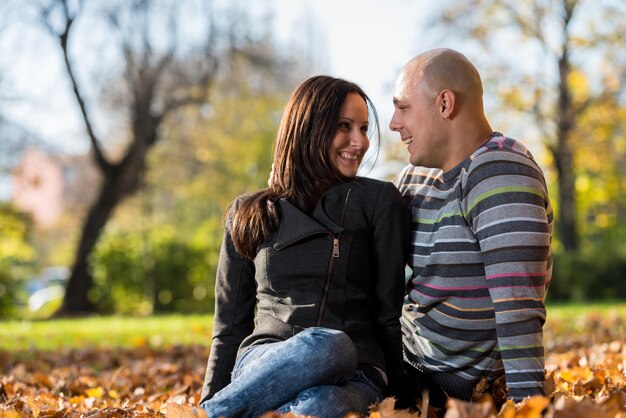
column 127, row 126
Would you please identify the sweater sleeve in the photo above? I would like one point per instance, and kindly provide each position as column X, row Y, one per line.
column 507, row 206
column 391, row 235
column 235, row 291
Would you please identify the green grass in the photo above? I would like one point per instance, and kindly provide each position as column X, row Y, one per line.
column 109, row 331
column 591, row 322
column 167, row 330
column 563, row 311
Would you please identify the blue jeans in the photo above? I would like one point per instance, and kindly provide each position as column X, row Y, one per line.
column 312, row 373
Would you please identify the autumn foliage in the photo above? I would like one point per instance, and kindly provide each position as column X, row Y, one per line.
column 586, row 374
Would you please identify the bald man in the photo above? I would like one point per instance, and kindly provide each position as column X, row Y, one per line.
column 481, row 238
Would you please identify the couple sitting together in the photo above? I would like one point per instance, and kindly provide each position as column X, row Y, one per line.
column 314, row 313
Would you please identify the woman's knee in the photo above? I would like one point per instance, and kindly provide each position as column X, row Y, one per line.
column 332, row 347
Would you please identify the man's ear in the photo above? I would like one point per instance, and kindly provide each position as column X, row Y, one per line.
column 446, row 102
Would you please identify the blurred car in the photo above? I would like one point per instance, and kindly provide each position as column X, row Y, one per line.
column 47, row 288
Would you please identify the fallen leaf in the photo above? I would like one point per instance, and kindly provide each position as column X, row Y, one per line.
column 456, row 408
column 532, row 407
column 175, row 410
column 97, row 392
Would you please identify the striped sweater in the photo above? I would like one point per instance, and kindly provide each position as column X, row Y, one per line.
column 481, row 264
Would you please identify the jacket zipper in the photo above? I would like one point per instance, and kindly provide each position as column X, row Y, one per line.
column 331, row 262
column 335, row 247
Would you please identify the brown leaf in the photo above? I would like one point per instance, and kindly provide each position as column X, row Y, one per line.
column 550, row 383
column 34, row 408
column 461, row 409
column 480, row 389
column 43, row 380
column 384, row 409
column 175, row 410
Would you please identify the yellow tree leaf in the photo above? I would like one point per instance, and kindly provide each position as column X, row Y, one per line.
column 97, row 392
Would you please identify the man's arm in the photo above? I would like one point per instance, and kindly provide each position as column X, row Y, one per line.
column 508, row 209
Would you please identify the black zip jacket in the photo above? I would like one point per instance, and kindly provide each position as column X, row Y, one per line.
column 342, row 267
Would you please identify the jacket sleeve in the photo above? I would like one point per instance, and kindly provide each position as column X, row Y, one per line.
column 391, row 235
column 508, row 209
column 235, row 291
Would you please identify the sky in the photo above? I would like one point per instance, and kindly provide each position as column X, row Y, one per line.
column 367, row 41
column 359, row 40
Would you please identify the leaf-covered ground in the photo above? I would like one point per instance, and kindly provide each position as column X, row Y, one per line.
column 585, row 364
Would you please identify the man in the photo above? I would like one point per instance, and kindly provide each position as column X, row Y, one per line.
column 481, row 238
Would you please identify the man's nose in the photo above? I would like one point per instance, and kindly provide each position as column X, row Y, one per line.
column 393, row 125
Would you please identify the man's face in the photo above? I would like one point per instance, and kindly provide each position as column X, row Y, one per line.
column 416, row 120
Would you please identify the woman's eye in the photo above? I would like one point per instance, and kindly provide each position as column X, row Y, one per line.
column 364, row 129
column 344, row 125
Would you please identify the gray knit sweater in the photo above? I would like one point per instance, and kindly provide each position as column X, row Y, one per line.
column 481, row 263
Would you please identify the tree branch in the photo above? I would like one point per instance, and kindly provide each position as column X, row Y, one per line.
column 63, row 37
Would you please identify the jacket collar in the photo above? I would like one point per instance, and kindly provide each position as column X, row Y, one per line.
column 295, row 224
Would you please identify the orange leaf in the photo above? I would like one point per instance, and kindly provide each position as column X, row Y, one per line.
column 184, row 411
column 508, row 410
column 75, row 400
column 532, row 407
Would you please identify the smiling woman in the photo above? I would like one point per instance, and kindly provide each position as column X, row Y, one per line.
column 310, row 279
column 350, row 142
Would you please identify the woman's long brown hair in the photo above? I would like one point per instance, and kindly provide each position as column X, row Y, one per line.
column 301, row 170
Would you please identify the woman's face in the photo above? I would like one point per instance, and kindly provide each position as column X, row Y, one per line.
column 350, row 142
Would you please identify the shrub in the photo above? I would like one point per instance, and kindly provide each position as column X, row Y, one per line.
column 156, row 271
column 17, row 258
column 591, row 275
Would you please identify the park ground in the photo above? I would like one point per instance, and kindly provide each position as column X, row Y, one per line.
column 154, row 367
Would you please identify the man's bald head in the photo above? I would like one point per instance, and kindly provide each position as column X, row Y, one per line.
column 438, row 100
column 445, row 69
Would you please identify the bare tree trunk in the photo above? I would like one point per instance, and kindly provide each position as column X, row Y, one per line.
column 564, row 155
column 122, row 181
column 76, row 296
column 566, row 219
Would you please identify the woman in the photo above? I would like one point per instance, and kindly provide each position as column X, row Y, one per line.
column 319, row 255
